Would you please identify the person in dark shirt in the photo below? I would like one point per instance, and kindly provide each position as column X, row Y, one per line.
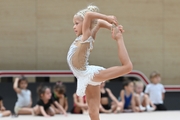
column 105, row 107
column 45, row 105
column 3, row 111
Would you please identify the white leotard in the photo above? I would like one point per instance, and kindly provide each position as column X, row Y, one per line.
column 85, row 73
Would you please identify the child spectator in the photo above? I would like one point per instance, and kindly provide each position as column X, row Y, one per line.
column 46, row 104
column 156, row 91
column 3, row 111
column 105, row 94
column 80, row 105
column 24, row 101
column 59, row 94
column 127, row 97
column 142, row 100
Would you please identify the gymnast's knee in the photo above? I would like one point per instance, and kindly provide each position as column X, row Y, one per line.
column 129, row 67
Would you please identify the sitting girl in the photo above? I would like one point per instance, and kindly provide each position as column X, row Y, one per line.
column 105, row 94
column 80, row 105
column 45, row 104
column 24, row 102
column 3, row 111
column 127, row 97
column 142, row 99
column 59, row 95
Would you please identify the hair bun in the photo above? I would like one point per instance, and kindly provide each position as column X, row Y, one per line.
column 93, row 8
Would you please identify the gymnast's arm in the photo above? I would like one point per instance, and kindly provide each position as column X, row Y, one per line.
column 89, row 17
column 104, row 24
column 78, row 59
column 100, row 24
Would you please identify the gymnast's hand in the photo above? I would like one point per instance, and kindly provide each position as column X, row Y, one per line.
column 120, row 27
column 117, row 32
column 112, row 20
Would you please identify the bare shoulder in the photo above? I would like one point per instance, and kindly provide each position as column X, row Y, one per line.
column 135, row 94
column 74, row 95
column 122, row 92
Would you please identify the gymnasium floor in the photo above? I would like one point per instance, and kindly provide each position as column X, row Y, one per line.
column 169, row 115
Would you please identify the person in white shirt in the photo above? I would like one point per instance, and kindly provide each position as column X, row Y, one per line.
column 24, row 101
column 156, row 91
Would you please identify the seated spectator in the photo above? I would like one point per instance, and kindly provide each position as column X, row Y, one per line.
column 45, row 105
column 127, row 97
column 80, row 105
column 142, row 100
column 105, row 107
column 59, row 94
column 156, row 91
column 24, row 101
column 3, row 111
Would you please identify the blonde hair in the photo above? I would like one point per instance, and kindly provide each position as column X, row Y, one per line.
column 139, row 83
column 90, row 8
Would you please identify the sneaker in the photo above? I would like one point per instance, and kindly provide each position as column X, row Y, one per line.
column 142, row 108
column 150, row 109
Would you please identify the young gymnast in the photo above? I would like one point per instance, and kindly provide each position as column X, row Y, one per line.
column 90, row 77
column 45, row 105
column 142, row 100
column 24, row 102
column 59, row 95
column 3, row 111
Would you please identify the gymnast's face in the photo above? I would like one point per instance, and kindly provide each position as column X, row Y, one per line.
column 77, row 20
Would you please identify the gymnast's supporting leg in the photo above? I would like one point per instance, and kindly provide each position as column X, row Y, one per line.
column 93, row 100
